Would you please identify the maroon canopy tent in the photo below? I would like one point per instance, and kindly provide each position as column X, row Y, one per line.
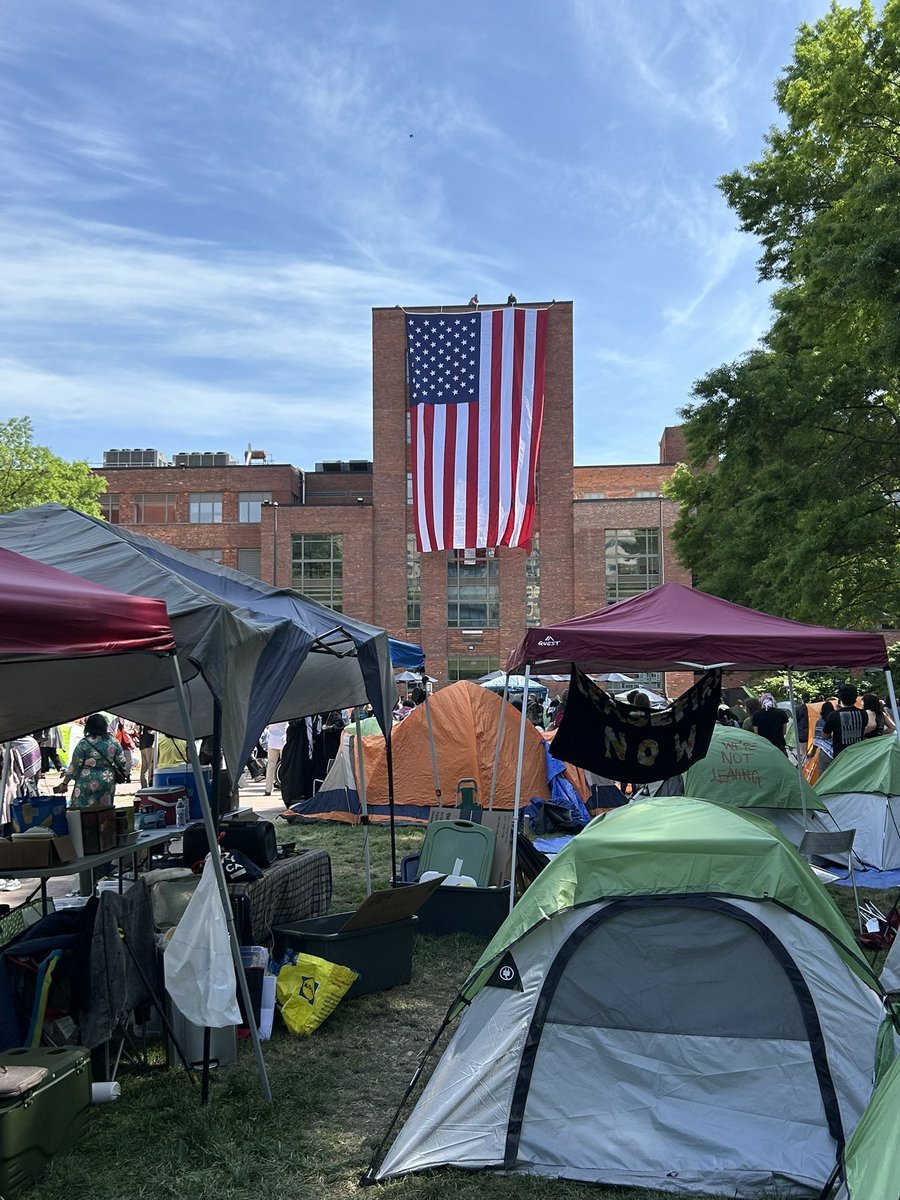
column 51, row 623
column 674, row 627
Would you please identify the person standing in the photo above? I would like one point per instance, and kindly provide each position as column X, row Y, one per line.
column 847, row 724
column 771, row 721
column 145, row 739
column 50, row 742
column 92, row 766
column 277, row 735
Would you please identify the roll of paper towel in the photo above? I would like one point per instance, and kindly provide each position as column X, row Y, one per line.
column 101, row 1093
column 73, row 820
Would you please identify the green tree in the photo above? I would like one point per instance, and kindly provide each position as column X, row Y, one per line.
column 31, row 474
column 791, row 501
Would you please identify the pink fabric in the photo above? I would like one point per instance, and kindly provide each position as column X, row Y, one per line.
column 673, row 626
column 52, row 614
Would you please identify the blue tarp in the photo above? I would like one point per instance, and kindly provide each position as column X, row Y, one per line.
column 406, row 655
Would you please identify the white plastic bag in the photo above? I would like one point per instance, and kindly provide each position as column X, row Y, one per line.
column 198, row 964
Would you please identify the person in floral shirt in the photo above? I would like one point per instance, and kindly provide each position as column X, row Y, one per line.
column 91, row 766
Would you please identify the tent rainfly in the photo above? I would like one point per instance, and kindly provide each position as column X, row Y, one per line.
column 675, row 1003
column 861, row 789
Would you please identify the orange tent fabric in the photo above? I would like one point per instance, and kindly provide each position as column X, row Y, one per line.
column 465, row 719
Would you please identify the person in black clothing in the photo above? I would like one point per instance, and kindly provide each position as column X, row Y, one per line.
column 802, row 713
column 847, row 724
column 771, row 722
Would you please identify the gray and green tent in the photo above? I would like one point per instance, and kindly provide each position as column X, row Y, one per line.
column 675, row 1003
column 862, row 790
column 743, row 770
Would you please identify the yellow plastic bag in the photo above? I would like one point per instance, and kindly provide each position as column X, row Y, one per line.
column 310, row 991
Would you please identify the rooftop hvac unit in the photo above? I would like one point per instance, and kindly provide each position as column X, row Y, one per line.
column 195, row 460
column 360, row 464
column 111, row 458
column 330, row 467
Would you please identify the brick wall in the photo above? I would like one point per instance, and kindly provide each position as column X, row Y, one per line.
column 393, row 516
column 672, row 446
column 620, row 482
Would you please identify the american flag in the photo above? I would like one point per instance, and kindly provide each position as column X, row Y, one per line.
column 476, row 394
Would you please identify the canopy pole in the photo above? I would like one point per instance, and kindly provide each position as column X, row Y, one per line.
column 434, row 764
column 219, row 873
column 892, row 696
column 797, row 742
column 362, row 802
column 515, row 828
column 217, row 758
column 499, row 741
column 4, row 778
column 390, row 775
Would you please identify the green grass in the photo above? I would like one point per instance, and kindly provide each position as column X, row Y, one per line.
column 334, row 1092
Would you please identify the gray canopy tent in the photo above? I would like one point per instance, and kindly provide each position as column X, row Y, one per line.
column 68, row 645
column 252, row 653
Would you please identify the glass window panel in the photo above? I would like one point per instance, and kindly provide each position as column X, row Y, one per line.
column 473, row 590
column 109, row 508
column 632, row 562
column 209, row 555
column 317, row 567
column 153, row 508
column 205, row 508
column 413, row 583
column 250, row 505
column 471, row 668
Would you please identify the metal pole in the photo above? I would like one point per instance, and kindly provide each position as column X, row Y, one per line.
column 515, row 829
column 362, row 803
column 4, row 780
column 217, row 759
column 797, row 742
column 434, row 765
column 892, row 696
column 499, row 741
column 220, row 876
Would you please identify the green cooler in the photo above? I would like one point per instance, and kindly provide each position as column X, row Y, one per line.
column 47, row 1118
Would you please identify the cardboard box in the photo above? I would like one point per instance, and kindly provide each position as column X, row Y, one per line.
column 42, row 852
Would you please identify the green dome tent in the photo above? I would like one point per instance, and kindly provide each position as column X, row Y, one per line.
column 862, row 790
column 744, row 770
column 674, row 1003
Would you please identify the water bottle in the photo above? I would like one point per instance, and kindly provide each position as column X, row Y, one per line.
column 181, row 812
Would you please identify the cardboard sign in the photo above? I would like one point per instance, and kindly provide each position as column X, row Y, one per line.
column 395, row 904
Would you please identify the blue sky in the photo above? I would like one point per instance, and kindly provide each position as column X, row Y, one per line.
column 202, row 200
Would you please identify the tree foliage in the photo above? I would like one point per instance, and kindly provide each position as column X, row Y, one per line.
column 792, row 499
column 31, row 474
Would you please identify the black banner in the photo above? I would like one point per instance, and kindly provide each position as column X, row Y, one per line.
column 636, row 745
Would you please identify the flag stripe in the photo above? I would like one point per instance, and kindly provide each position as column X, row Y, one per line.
column 476, row 392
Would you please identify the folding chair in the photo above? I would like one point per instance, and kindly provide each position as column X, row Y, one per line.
column 833, row 845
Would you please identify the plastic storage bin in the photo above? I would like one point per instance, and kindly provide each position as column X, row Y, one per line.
column 458, row 848
column 380, row 954
column 166, row 777
column 478, row 910
column 45, row 1121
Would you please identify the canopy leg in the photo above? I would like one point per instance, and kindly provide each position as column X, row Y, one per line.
column 499, row 742
column 362, row 803
column 515, row 829
column 797, row 742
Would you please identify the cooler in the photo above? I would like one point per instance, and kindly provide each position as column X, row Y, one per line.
column 46, row 1120
column 183, row 776
column 160, row 799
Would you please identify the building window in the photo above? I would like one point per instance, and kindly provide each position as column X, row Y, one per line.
column 210, row 555
column 646, row 495
column 249, row 562
column 470, row 668
column 473, row 590
column 409, row 487
column 317, row 567
column 249, row 505
column 533, row 583
column 205, row 508
column 153, row 508
column 632, row 562
column 413, row 583
column 593, row 496
column 109, row 508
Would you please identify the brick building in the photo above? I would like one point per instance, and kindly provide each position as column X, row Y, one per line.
column 342, row 533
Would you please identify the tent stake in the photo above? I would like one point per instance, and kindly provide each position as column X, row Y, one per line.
column 219, row 873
